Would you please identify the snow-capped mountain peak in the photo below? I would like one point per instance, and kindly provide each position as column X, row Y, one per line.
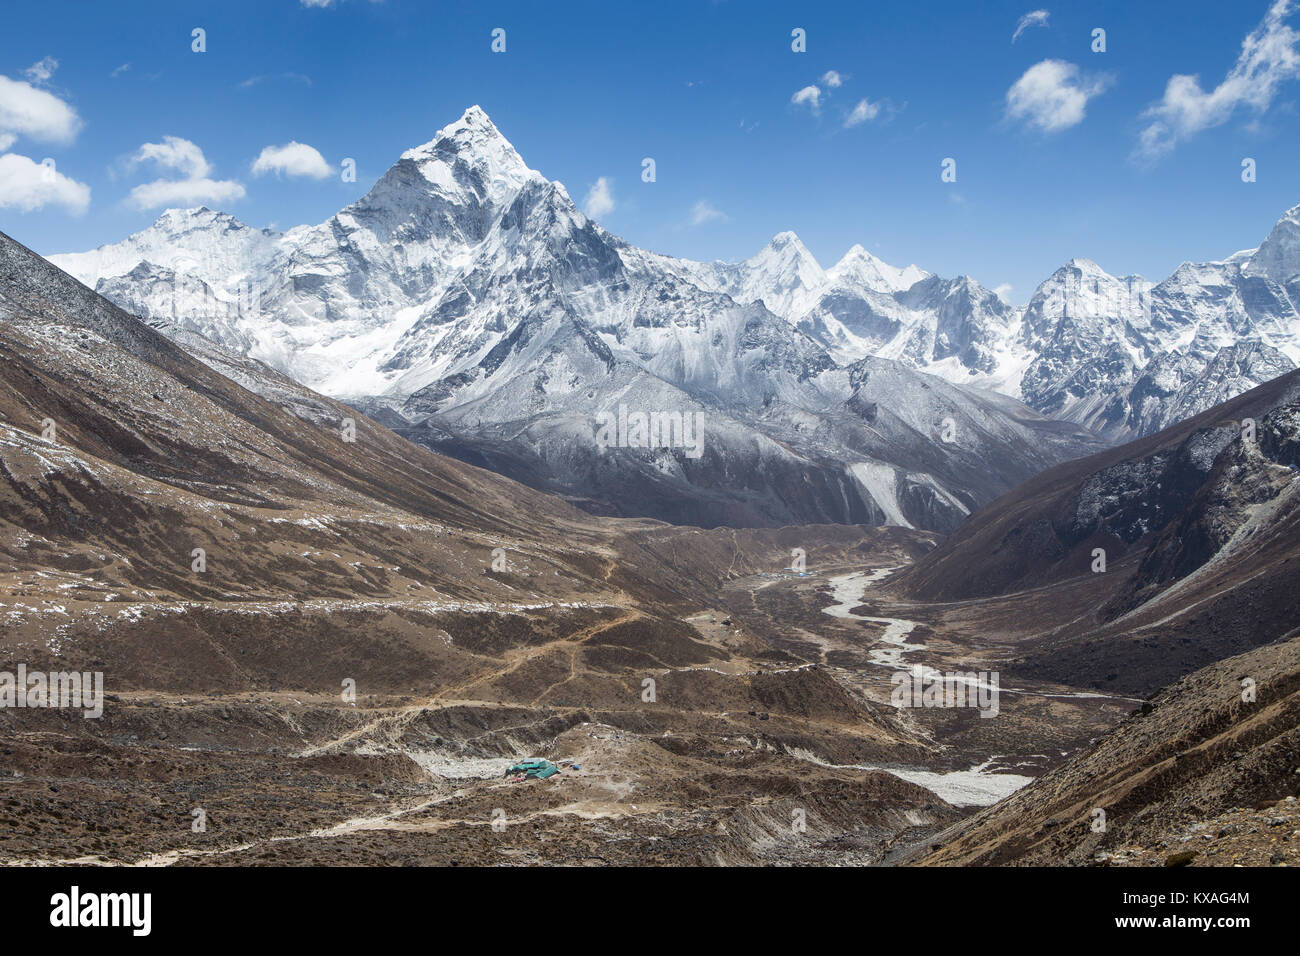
column 1086, row 266
column 472, row 144
column 179, row 240
column 861, row 267
column 785, row 259
column 1278, row 257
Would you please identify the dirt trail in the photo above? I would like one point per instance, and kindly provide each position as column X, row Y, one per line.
column 394, row 722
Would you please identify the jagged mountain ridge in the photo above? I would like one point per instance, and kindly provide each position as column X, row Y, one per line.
column 387, row 297
column 1122, row 355
column 467, row 301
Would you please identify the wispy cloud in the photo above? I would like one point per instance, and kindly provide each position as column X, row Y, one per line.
column 292, row 77
column 864, row 112
column 705, row 212
column 323, row 4
column 809, row 96
column 176, row 154
column 813, row 95
column 1270, row 56
column 1034, row 18
column 1053, row 95
column 184, row 192
column 599, row 201
column 120, row 70
column 39, row 73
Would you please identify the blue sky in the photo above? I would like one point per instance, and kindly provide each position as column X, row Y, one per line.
column 586, row 90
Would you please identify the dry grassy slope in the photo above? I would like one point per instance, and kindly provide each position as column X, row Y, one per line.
column 155, row 454
column 318, row 551
column 1193, row 752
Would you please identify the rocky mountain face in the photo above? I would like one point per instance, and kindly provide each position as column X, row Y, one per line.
column 1129, row 357
column 1128, row 500
column 1184, row 543
column 468, row 303
column 1164, row 570
column 1122, row 355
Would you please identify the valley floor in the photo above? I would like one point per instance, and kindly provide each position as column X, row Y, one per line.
column 770, row 738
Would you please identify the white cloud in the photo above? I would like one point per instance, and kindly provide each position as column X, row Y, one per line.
column 1034, row 18
column 600, row 199
column 182, row 156
column 175, row 153
column 184, row 192
column 292, row 159
column 1052, row 95
column 1003, row 292
column 809, row 96
column 120, row 70
column 37, row 114
column 862, row 113
column 832, row 79
column 40, row 72
column 27, row 185
column 704, row 212
column 1270, row 55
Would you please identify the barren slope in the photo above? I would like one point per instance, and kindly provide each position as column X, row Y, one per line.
column 1197, row 770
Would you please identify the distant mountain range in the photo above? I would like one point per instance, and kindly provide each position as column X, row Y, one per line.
column 468, row 303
